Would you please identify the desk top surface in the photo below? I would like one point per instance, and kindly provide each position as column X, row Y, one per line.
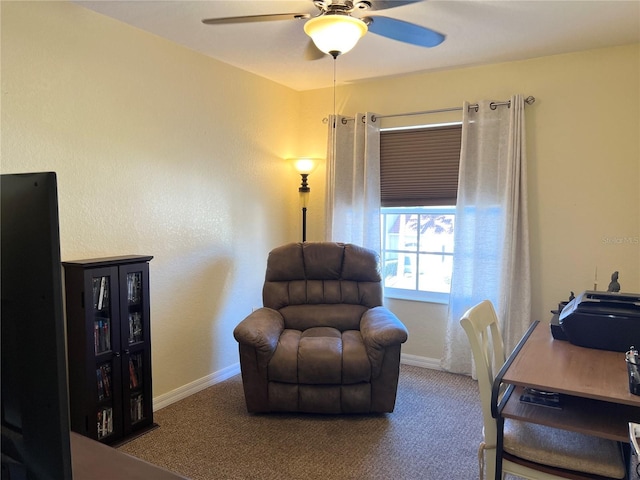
column 93, row 460
column 560, row 366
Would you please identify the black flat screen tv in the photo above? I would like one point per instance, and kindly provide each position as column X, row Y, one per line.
column 35, row 404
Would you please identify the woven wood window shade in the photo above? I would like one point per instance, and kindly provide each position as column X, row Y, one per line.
column 419, row 167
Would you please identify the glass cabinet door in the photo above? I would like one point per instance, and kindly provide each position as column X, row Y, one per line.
column 106, row 349
column 136, row 347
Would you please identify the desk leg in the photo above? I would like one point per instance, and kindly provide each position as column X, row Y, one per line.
column 500, row 427
column 630, row 461
column 497, row 403
column 499, row 446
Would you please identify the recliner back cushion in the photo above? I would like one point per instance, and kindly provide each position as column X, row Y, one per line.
column 328, row 283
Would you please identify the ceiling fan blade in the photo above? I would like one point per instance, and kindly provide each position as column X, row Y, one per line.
column 385, row 4
column 256, row 18
column 311, row 52
column 404, row 31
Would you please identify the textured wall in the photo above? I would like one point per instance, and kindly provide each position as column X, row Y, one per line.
column 158, row 151
column 583, row 164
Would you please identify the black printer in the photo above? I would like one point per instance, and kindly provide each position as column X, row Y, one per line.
column 603, row 320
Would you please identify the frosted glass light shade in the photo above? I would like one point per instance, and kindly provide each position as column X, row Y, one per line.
column 304, row 165
column 335, row 34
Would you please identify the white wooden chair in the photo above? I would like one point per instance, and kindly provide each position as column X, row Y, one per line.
column 530, row 451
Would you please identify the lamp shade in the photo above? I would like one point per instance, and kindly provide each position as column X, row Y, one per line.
column 305, row 165
column 335, row 34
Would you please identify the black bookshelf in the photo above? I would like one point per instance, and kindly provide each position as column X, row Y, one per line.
column 109, row 347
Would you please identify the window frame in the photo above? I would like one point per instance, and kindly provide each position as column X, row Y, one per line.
column 414, row 294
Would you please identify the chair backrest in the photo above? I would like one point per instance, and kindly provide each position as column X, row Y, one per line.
column 322, row 284
column 481, row 326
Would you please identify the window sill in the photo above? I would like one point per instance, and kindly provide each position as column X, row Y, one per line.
column 416, row 296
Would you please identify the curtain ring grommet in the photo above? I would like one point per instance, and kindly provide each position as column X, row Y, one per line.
column 343, row 120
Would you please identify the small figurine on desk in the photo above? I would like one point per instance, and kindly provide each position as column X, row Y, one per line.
column 614, row 286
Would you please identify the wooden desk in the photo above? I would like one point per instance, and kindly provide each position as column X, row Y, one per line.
column 593, row 383
column 560, row 366
column 91, row 460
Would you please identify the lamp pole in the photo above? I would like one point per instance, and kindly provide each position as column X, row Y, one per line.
column 304, row 198
column 304, row 224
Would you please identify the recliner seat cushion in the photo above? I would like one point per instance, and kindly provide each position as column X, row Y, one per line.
column 320, row 356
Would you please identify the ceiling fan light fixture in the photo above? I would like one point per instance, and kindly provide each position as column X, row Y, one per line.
column 335, row 34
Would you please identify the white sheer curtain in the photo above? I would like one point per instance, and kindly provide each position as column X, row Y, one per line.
column 353, row 181
column 491, row 233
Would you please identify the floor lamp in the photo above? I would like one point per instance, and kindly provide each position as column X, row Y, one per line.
column 304, row 166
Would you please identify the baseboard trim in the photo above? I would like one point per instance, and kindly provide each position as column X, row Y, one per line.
column 423, row 362
column 179, row 393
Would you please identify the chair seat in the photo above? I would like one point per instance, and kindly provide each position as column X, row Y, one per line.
column 563, row 449
column 320, row 356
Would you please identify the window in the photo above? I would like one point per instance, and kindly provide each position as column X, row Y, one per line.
column 419, row 182
column 417, row 252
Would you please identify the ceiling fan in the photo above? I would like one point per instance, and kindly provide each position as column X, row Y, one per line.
column 335, row 31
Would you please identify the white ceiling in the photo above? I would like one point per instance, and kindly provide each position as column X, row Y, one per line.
column 478, row 32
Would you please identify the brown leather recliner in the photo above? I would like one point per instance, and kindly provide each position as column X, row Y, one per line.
column 323, row 342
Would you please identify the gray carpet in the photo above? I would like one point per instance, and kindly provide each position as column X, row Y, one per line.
column 433, row 434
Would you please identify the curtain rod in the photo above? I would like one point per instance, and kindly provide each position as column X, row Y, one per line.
column 493, row 105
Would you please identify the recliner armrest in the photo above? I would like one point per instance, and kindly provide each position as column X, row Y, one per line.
column 261, row 329
column 381, row 328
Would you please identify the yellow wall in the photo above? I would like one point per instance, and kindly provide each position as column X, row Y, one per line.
column 163, row 151
column 158, row 151
column 583, row 146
